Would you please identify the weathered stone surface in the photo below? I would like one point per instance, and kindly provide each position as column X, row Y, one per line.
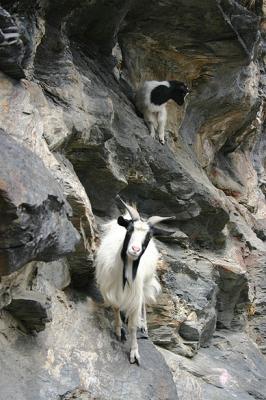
column 34, row 214
column 55, row 272
column 79, row 349
column 232, row 368
column 80, row 262
column 102, row 144
column 191, row 280
column 233, row 292
column 31, row 309
column 75, row 111
column 28, row 116
column 256, row 310
column 11, row 46
column 28, row 309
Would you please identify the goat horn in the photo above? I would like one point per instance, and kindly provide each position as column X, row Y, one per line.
column 132, row 211
column 156, row 219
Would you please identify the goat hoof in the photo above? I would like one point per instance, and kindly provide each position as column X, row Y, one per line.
column 123, row 335
column 137, row 360
column 162, row 141
column 134, row 357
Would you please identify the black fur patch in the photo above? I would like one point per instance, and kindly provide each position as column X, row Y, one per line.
column 130, row 229
column 160, row 95
column 123, row 221
column 178, row 91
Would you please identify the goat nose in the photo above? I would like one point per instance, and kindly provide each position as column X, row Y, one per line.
column 136, row 248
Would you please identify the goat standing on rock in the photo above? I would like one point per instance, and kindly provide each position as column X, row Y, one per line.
column 126, row 271
column 151, row 99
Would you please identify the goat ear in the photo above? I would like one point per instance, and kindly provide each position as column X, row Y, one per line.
column 122, row 221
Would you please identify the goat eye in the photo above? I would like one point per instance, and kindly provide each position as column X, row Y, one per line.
column 130, row 227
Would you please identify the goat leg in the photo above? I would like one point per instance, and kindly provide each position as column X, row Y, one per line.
column 143, row 325
column 150, row 121
column 119, row 330
column 161, row 124
column 134, row 349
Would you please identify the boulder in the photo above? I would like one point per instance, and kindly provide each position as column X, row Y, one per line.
column 34, row 213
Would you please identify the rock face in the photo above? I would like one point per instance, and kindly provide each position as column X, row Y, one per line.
column 11, row 47
column 34, row 223
column 78, row 355
column 71, row 141
column 220, row 372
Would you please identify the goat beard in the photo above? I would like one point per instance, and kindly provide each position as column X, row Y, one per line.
column 135, row 265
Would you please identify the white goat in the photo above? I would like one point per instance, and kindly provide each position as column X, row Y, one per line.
column 151, row 99
column 126, row 271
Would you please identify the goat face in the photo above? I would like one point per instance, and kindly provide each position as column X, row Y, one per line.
column 179, row 91
column 137, row 237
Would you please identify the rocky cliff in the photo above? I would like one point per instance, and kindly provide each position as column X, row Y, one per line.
column 71, row 140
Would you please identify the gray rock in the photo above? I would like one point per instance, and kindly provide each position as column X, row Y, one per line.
column 260, row 229
column 79, row 349
column 232, row 368
column 199, row 331
column 256, row 311
column 11, row 46
column 34, row 213
column 32, row 309
column 190, row 330
column 109, row 157
column 55, row 272
column 80, row 262
column 233, row 291
column 81, row 122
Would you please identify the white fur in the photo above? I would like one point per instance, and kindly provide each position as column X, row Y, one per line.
column 155, row 116
column 109, row 275
column 109, row 270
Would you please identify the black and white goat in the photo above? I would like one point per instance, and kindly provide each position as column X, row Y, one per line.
column 126, row 271
column 151, row 99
